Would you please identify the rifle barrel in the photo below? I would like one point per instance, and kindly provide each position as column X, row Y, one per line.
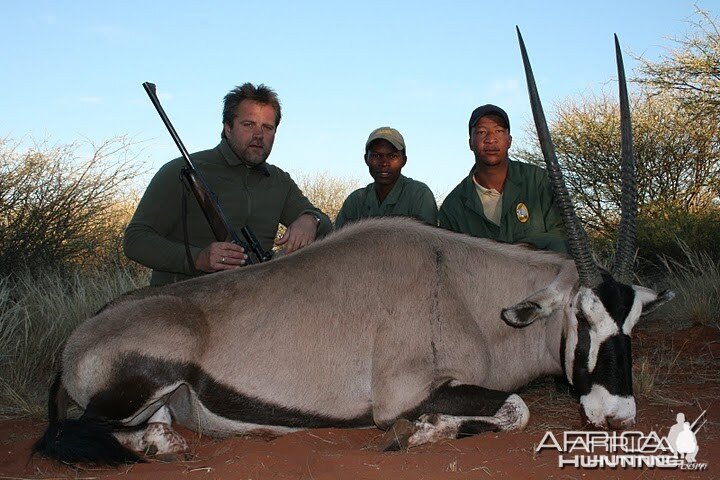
column 216, row 217
column 152, row 93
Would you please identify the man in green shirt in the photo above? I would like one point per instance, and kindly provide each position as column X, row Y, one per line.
column 250, row 191
column 391, row 193
column 502, row 199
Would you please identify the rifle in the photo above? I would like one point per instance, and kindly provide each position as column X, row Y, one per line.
column 206, row 198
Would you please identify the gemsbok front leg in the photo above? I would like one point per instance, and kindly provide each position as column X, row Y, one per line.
column 457, row 410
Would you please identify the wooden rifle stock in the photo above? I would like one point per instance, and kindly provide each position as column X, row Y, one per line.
column 206, row 198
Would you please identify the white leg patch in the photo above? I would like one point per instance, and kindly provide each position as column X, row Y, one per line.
column 157, row 438
column 160, row 439
column 132, row 440
column 513, row 415
column 162, row 416
column 430, row 428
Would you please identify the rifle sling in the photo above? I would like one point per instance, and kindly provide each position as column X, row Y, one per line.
column 191, row 262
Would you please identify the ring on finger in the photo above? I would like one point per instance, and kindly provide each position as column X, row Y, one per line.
column 222, row 260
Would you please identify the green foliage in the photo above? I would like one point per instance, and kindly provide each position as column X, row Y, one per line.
column 666, row 238
column 690, row 72
column 58, row 208
column 678, row 167
column 38, row 311
column 676, row 129
column 673, row 235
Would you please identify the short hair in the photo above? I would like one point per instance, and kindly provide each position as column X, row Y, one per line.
column 248, row 91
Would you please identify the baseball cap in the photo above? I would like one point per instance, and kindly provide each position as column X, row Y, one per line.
column 389, row 134
column 488, row 109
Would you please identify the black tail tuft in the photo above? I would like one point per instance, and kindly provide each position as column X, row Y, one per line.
column 87, row 440
column 84, row 441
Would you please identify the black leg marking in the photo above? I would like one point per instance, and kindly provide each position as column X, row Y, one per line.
column 461, row 400
column 463, row 410
column 473, row 427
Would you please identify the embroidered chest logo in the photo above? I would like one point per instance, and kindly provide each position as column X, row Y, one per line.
column 521, row 210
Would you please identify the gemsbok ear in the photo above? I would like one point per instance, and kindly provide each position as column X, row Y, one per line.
column 651, row 304
column 521, row 315
column 538, row 305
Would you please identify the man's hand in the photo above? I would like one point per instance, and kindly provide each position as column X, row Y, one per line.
column 300, row 233
column 220, row 256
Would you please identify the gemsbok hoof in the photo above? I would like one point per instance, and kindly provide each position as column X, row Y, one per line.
column 513, row 415
column 398, row 436
column 160, row 440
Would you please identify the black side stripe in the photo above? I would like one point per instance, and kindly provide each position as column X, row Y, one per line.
column 138, row 377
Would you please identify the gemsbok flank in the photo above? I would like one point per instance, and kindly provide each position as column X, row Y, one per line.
column 384, row 321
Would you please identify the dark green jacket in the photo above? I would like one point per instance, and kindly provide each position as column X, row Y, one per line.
column 154, row 236
column 408, row 198
column 527, row 196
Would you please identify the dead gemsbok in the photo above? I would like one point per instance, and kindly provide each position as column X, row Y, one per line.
column 386, row 320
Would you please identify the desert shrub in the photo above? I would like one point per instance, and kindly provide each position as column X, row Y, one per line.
column 326, row 192
column 673, row 235
column 676, row 142
column 666, row 237
column 59, row 208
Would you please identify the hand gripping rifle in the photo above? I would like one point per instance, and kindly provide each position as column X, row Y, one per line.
column 206, row 198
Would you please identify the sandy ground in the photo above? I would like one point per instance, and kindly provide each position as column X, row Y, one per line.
column 676, row 371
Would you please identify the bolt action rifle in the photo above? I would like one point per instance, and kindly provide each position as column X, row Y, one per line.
column 206, row 198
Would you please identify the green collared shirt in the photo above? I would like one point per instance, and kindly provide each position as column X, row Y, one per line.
column 408, row 198
column 529, row 214
column 247, row 196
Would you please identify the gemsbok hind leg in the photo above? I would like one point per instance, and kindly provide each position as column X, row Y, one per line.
column 138, row 393
column 454, row 411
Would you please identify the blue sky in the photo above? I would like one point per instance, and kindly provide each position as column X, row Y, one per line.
column 74, row 70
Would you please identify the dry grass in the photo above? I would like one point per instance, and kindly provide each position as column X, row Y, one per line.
column 667, row 362
column 696, row 282
column 37, row 314
column 552, row 406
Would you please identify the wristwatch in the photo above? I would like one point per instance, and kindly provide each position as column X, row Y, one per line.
column 316, row 217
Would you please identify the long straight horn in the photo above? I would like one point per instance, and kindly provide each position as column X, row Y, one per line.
column 577, row 237
column 625, row 253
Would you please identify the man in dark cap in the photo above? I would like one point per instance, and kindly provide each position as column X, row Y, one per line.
column 391, row 194
column 502, row 199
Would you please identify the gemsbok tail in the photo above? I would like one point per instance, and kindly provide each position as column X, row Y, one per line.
column 83, row 440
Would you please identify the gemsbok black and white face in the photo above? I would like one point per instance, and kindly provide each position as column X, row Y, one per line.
column 596, row 349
